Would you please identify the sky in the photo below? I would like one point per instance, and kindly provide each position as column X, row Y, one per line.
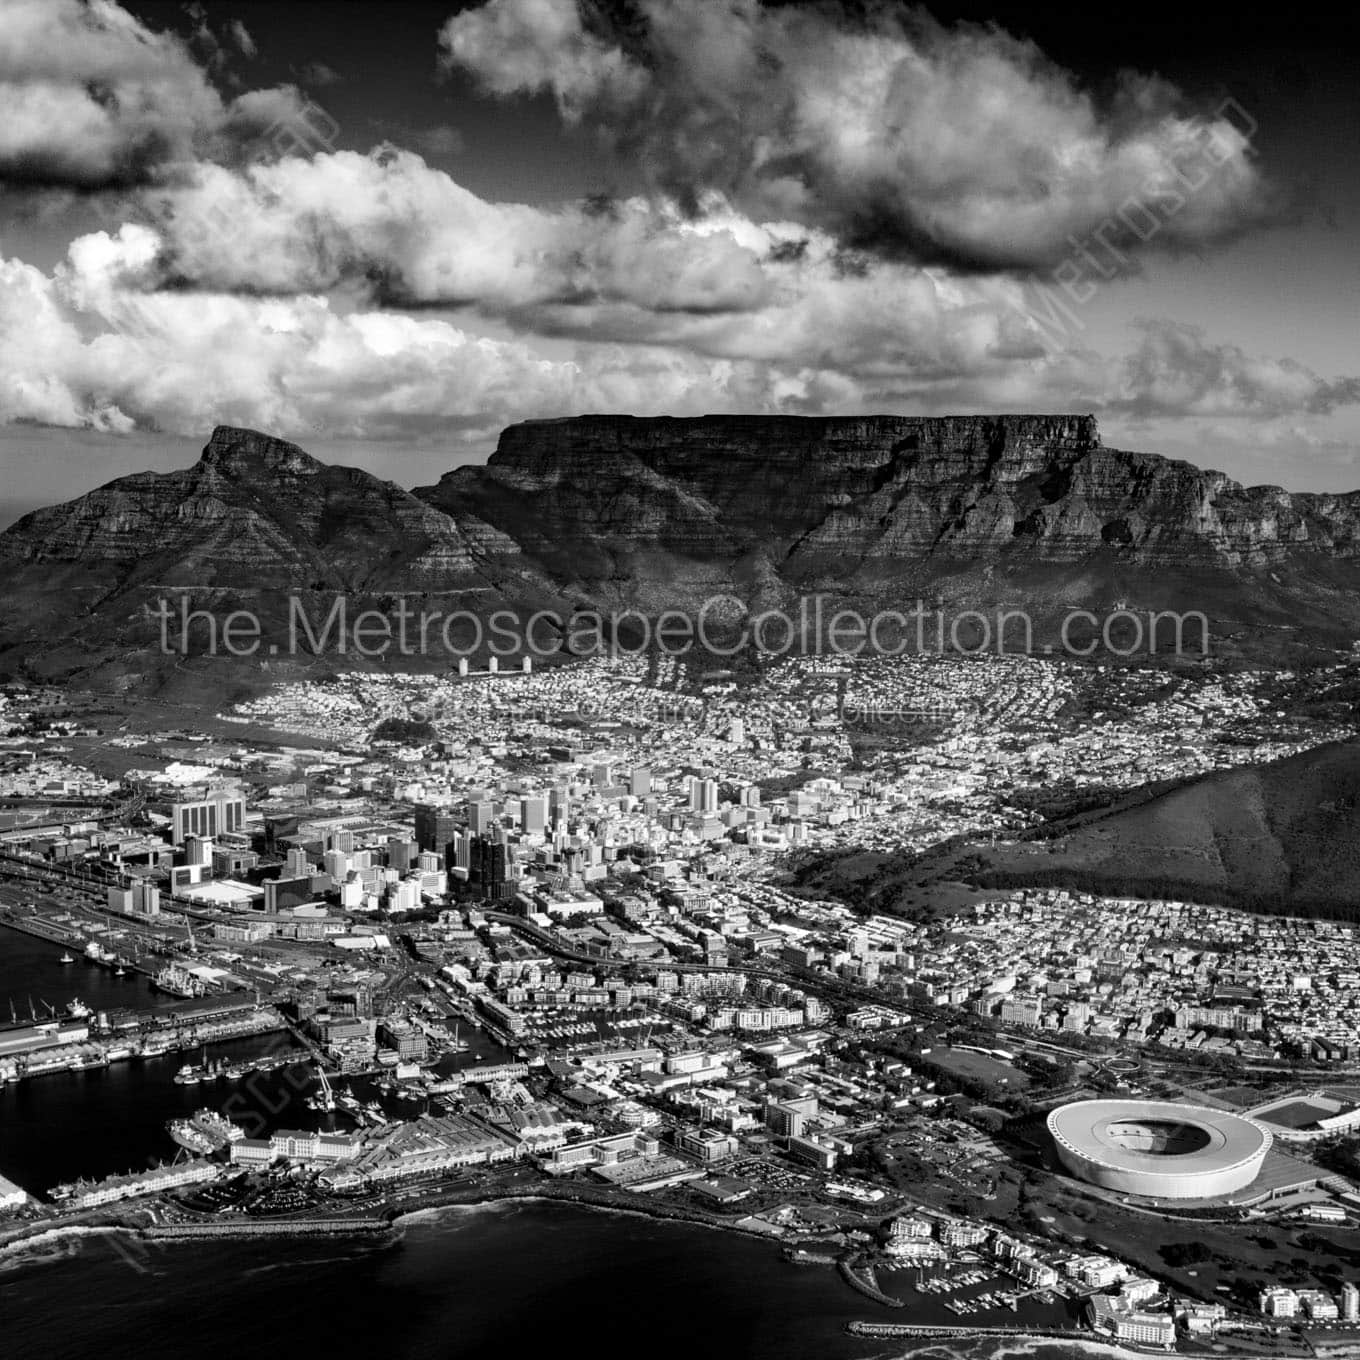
column 385, row 229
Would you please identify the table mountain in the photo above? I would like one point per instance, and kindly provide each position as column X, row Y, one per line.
column 965, row 511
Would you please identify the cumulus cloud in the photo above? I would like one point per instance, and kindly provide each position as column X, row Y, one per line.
column 90, row 97
column 86, row 346
column 93, row 353
column 960, row 146
column 390, row 230
column 1176, row 370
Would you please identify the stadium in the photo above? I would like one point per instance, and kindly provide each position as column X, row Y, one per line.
column 1160, row 1149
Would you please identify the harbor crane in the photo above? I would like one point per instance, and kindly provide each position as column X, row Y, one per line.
column 326, row 1100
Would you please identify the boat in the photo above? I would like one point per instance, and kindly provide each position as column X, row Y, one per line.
column 189, row 1135
column 78, row 1010
column 66, row 958
column 120, row 971
column 178, row 981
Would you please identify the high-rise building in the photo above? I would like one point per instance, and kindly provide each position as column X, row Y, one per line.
column 198, row 850
column 401, row 855
column 533, row 813
column 492, row 871
column 480, row 815
column 296, row 864
column 435, row 827
column 219, row 813
column 640, row 782
column 1350, row 1302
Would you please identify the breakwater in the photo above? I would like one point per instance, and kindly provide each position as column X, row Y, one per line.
column 942, row 1331
column 311, row 1227
column 867, row 1284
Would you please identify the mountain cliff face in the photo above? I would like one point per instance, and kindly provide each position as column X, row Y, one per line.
column 867, row 491
column 253, row 511
column 967, row 512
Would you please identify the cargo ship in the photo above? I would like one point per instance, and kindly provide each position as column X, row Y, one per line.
column 178, row 981
column 205, row 1131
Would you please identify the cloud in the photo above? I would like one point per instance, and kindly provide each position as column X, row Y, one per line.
column 386, row 229
column 318, row 75
column 93, row 354
column 437, row 141
column 240, row 36
column 91, row 98
column 87, row 346
column 961, row 146
column 1177, row 371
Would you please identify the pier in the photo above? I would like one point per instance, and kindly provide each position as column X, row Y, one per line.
column 310, row 1227
column 942, row 1331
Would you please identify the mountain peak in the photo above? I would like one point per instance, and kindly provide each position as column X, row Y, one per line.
column 235, row 451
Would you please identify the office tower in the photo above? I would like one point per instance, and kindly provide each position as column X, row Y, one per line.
column 342, row 840
column 435, row 827
column 198, row 850
column 296, row 864
column 459, row 854
column 492, row 872
column 640, row 782
column 600, row 776
column 401, row 855
column 708, row 796
column 216, row 814
column 533, row 813
column 286, row 892
column 336, row 864
column 480, row 815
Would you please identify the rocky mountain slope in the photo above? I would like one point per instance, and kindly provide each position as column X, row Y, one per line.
column 1029, row 511
column 964, row 512
column 253, row 511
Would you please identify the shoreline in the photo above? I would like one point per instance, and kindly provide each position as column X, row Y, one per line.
column 388, row 1228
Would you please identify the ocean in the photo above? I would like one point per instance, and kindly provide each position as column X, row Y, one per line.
column 502, row 1280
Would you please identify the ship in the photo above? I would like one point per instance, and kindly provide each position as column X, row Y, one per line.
column 66, row 958
column 205, row 1131
column 178, row 981
column 188, row 1135
column 78, row 1010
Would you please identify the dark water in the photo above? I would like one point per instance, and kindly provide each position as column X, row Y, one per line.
column 504, row 1281
column 30, row 969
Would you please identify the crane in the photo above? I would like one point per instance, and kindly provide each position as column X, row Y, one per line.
column 326, row 1100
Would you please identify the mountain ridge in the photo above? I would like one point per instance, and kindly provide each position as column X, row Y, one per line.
column 1015, row 511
